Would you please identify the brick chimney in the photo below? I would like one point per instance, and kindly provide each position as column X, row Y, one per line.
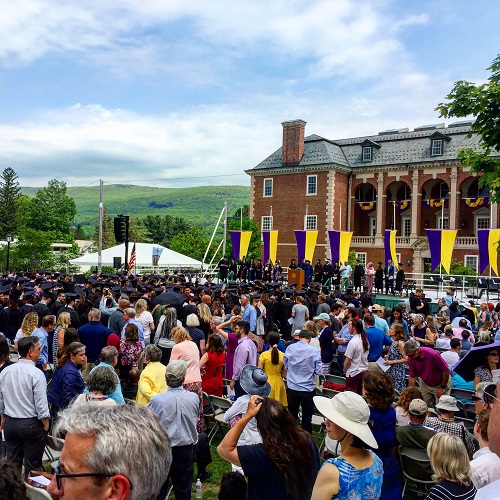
column 293, row 142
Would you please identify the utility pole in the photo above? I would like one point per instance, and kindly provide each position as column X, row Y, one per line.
column 225, row 230
column 101, row 207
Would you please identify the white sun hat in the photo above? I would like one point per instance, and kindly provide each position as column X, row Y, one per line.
column 350, row 412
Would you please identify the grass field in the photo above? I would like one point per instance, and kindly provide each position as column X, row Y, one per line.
column 198, row 205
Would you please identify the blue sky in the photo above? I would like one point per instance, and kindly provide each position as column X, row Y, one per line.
column 174, row 93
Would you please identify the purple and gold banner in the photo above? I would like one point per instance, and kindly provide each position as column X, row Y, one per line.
column 340, row 241
column 240, row 241
column 390, row 246
column 366, row 206
column 487, row 240
column 270, row 245
column 441, row 242
column 306, row 243
column 482, row 201
column 403, row 205
column 435, row 203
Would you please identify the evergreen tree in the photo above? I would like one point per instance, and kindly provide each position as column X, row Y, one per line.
column 79, row 234
column 9, row 194
column 108, row 234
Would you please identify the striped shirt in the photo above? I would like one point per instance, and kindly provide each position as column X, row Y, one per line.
column 451, row 490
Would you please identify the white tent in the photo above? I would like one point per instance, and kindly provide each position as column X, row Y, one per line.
column 144, row 257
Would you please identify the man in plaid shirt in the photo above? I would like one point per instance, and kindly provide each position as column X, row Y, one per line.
column 445, row 422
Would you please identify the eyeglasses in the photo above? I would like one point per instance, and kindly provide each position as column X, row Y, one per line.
column 493, row 354
column 60, row 476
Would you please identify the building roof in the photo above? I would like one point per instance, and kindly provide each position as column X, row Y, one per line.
column 391, row 147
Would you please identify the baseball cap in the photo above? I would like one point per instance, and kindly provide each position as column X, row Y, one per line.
column 418, row 407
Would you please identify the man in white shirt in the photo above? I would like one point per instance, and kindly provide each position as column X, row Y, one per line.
column 444, row 342
column 485, row 465
column 451, row 357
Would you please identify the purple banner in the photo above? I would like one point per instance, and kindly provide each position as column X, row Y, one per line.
column 334, row 237
column 483, row 236
column 236, row 243
column 387, row 246
column 266, row 244
column 434, row 238
column 300, row 238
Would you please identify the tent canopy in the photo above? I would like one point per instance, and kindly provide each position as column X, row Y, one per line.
column 144, row 257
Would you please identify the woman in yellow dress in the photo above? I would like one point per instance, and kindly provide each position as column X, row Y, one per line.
column 271, row 361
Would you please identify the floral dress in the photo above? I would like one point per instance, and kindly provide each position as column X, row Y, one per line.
column 397, row 371
column 130, row 353
column 483, row 373
column 364, row 484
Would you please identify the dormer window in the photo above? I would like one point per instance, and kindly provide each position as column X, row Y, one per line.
column 367, row 153
column 437, row 147
column 438, row 142
column 367, row 150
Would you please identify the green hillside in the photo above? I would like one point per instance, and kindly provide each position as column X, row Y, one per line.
column 198, row 205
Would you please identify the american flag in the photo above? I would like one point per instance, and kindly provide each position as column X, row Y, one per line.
column 131, row 262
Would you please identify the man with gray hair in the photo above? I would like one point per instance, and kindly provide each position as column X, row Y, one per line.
column 430, row 368
column 109, row 359
column 116, row 452
column 248, row 312
column 178, row 410
column 129, row 317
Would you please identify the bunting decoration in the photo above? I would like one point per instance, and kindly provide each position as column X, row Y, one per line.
column 340, row 242
column 240, row 241
column 366, row 206
column 434, row 203
column 482, row 201
column 156, row 255
column 131, row 262
column 390, row 246
column 402, row 205
column 487, row 240
column 441, row 242
column 270, row 245
column 306, row 242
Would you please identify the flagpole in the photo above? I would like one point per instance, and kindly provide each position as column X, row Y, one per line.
column 305, row 218
column 340, row 218
column 491, row 219
column 394, row 215
column 441, row 264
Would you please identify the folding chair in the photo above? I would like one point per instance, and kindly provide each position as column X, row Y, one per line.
column 329, row 393
column 417, row 471
column 462, row 394
column 336, row 379
column 469, row 424
column 219, row 407
column 53, row 449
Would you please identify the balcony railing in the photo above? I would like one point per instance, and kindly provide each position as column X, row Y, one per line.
column 405, row 241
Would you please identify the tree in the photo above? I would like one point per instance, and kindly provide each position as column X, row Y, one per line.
column 79, row 234
column 108, row 235
column 162, row 230
column 53, row 212
column 482, row 102
column 247, row 224
column 9, row 194
column 192, row 243
column 136, row 232
column 32, row 251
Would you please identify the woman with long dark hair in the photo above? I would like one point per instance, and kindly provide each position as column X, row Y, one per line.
column 211, row 366
column 4, row 353
column 356, row 356
column 271, row 361
column 163, row 337
column 284, row 466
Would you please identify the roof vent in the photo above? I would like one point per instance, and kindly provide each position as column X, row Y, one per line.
column 461, row 123
column 392, row 131
column 432, row 126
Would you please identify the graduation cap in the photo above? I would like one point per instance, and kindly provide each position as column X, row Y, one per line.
column 47, row 286
column 5, row 288
column 70, row 296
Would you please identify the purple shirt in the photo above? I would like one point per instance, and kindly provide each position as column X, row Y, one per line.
column 245, row 354
column 429, row 367
column 231, row 345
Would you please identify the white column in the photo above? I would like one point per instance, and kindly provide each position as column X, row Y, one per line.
column 452, row 209
column 415, row 204
column 379, row 240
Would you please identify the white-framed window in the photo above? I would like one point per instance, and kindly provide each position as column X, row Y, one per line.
column 407, row 194
column 443, row 222
column 398, row 256
column 437, row 147
column 267, row 223
column 311, row 222
column 471, row 261
column 482, row 222
column 367, row 153
column 312, row 184
column 443, row 190
column 406, row 226
column 373, row 227
column 268, row 188
column 361, row 256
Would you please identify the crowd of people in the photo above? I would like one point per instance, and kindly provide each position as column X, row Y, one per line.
column 137, row 358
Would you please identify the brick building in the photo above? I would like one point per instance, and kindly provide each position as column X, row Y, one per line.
column 408, row 179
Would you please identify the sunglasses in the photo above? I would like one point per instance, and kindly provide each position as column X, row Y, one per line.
column 493, row 354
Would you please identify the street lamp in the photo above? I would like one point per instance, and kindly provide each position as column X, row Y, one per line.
column 9, row 241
